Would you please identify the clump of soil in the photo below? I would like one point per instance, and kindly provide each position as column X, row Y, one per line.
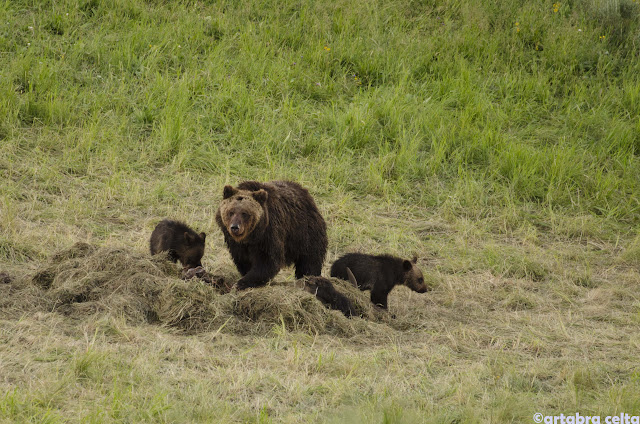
column 5, row 278
column 217, row 281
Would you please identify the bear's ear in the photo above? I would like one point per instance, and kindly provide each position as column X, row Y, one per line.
column 189, row 238
column 203, row 236
column 407, row 265
column 228, row 192
column 415, row 259
column 260, row 196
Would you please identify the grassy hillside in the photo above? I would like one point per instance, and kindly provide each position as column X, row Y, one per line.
column 498, row 141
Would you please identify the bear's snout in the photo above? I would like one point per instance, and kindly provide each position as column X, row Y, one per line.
column 237, row 229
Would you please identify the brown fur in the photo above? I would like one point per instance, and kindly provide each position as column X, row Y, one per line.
column 182, row 243
column 326, row 293
column 380, row 274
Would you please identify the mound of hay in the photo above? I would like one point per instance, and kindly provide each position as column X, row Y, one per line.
column 217, row 281
column 86, row 280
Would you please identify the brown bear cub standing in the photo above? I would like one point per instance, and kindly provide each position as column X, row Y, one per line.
column 182, row 243
column 270, row 225
column 379, row 274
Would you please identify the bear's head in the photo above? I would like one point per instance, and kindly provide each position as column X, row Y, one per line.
column 192, row 250
column 413, row 276
column 242, row 210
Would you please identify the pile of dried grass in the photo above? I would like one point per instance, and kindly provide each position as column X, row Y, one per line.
column 85, row 280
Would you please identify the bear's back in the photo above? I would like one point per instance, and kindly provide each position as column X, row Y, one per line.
column 369, row 269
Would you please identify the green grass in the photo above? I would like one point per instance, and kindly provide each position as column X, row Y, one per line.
column 499, row 141
column 399, row 95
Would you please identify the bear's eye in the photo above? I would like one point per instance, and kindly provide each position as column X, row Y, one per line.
column 421, row 280
column 245, row 215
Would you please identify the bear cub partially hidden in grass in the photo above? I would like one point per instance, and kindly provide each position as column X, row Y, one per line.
column 380, row 274
column 327, row 294
column 267, row 226
column 181, row 242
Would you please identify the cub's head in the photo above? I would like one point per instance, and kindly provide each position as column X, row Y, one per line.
column 413, row 276
column 192, row 250
column 241, row 211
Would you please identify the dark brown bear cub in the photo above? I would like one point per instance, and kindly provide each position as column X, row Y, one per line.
column 270, row 225
column 379, row 274
column 324, row 291
column 182, row 243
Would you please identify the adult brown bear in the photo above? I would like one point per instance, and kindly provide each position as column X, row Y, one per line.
column 270, row 225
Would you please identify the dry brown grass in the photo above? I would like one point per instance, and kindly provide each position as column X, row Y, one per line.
column 85, row 281
column 108, row 334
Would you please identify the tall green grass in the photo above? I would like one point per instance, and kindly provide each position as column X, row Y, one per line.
column 498, row 104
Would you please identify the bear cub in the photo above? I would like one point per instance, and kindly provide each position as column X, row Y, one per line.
column 181, row 242
column 380, row 274
column 324, row 291
column 267, row 226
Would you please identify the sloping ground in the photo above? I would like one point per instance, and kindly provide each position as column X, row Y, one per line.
column 86, row 281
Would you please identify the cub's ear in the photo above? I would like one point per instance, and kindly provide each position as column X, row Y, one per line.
column 203, row 236
column 260, row 196
column 407, row 265
column 189, row 238
column 228, row 192
column 415, row 259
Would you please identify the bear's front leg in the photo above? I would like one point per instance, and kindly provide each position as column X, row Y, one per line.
column 259, row 274
column 240, row 257
column 379, row 296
